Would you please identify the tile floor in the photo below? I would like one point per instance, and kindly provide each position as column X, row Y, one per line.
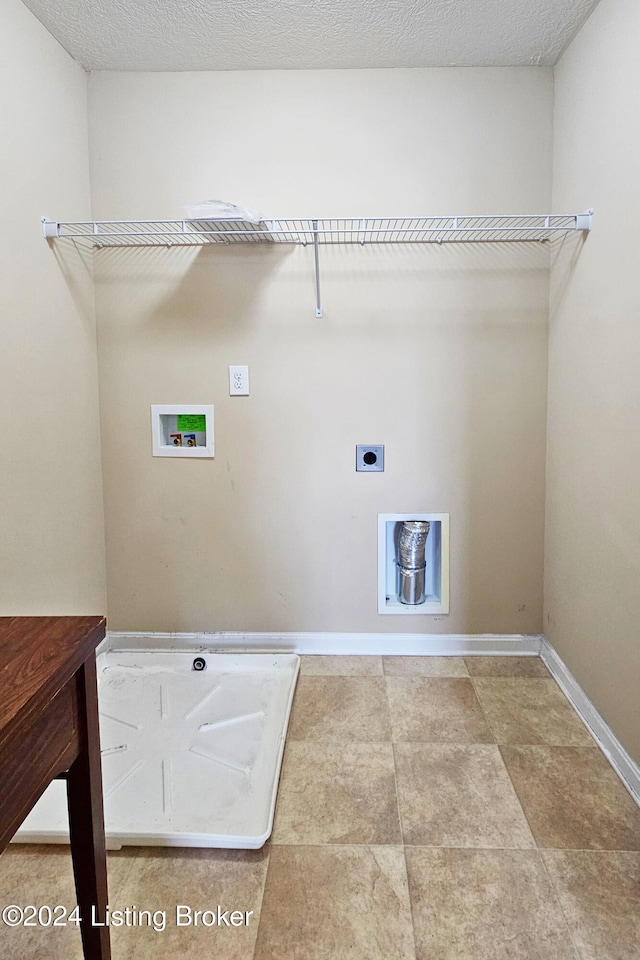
column 429, row 809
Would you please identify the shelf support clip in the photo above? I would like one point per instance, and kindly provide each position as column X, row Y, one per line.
column 583, row 221
column 50, row 228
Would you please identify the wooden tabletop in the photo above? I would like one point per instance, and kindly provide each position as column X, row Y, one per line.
column 38, row 655
column 49, row 728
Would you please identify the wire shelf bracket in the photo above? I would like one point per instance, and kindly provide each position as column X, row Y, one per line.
column 353, row 230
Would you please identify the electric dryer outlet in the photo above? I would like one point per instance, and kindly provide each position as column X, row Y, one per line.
column 370, row 457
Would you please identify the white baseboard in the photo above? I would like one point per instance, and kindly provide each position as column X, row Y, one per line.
column 624, row 765
column 354, row 644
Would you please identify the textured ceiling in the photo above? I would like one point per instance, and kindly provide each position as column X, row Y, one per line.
column 313, row 34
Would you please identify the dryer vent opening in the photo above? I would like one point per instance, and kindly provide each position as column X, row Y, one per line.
column 410, row 542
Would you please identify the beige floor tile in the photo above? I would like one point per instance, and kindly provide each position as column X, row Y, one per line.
column 424, row 667
column 42, row 875
column 336, row 903
column 341, row 666
column 600, row 896
column 38, row 876
column 485, row 905
column 506, row 667
column 572, row 798
column 530, row 711
column 436, row 710
column 340, row 708
column 163, row 878
column 337, row 793
column 457, row 796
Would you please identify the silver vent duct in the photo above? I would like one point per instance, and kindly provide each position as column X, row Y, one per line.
column 411, row 561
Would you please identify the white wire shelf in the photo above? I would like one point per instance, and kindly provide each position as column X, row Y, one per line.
column 355, row 230
column 487, row 229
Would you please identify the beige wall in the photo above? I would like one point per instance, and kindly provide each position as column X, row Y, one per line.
column 592, row 599
column 51, row 548
column 440, row 353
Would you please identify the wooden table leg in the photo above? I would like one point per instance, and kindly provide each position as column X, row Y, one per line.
column 86, row 822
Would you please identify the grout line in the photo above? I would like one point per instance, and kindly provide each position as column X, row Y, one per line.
column 60, row 850
column 340, row 846
column 400, row 822
column 517, row 796
column 558, row 900
column 395, row 782
column 264, row 887
column 487, row 719
column 363, row 843
column 430, row 846
column 411, row 913
column 392, row 732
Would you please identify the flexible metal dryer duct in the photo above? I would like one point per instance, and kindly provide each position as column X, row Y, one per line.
column 411, row 561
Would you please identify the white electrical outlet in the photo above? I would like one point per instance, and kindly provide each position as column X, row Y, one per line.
column 238, row 381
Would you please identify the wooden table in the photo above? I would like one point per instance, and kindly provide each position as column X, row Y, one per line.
column 48, row 729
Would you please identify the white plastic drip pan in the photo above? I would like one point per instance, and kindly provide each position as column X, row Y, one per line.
column 189, row 759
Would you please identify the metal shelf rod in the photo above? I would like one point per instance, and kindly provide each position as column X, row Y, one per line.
column 317, row 261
